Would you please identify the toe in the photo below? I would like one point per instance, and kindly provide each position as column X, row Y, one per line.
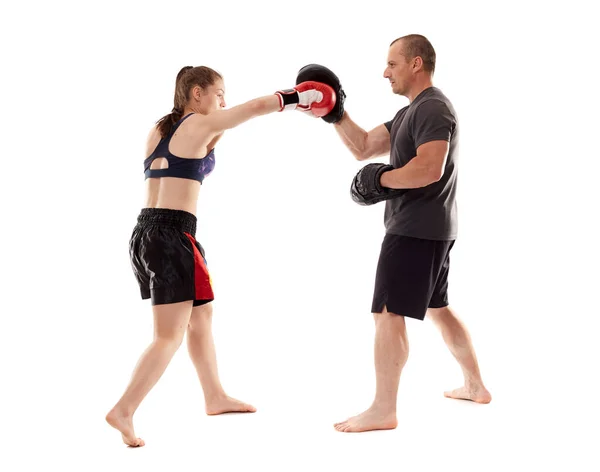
column 457, row 393
column 135, row 442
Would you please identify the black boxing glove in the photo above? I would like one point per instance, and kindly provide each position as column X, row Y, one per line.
column 366, row 186
column 319, row 73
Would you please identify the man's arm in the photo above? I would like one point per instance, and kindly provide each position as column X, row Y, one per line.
column 424, row 169
column 431, row 127
column 361, row 144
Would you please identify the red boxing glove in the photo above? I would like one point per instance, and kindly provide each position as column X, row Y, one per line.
column 314, row 97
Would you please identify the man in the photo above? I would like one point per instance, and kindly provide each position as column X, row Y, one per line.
column 420, row 222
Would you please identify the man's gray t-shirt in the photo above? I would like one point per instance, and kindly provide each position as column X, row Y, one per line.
column 427, row 212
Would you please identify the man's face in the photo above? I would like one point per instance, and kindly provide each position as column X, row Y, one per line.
column 398, row 70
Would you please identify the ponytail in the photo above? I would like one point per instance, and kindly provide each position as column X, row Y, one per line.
column 187, row 78
column 166, row 123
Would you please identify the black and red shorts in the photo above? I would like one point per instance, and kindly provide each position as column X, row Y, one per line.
column 167, row 261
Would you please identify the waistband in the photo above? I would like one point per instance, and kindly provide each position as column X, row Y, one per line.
column 178, row 219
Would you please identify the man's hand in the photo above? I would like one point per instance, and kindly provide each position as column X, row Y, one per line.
column 366, row 188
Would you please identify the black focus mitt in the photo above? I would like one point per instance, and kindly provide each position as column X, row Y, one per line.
column 366, row 187
column 319, row 73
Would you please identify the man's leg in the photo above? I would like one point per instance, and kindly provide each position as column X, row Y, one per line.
column 391, row 353
column 403, row 286
column 457, row 339
column 455, row 334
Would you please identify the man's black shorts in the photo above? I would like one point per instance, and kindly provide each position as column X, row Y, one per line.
column 167, row 261
column 412, row 275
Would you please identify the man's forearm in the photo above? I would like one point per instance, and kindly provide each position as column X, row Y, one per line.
column 352, row 135
column 412, row 175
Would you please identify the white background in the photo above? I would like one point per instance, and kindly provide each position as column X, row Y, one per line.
column 292, row 257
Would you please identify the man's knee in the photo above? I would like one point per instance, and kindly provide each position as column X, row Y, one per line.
column 393, row 320
column 440, row 315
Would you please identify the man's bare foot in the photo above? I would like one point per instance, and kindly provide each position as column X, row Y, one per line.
column 220, row 405
column 477, row 394
column 124, row 424
column 370, row 420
